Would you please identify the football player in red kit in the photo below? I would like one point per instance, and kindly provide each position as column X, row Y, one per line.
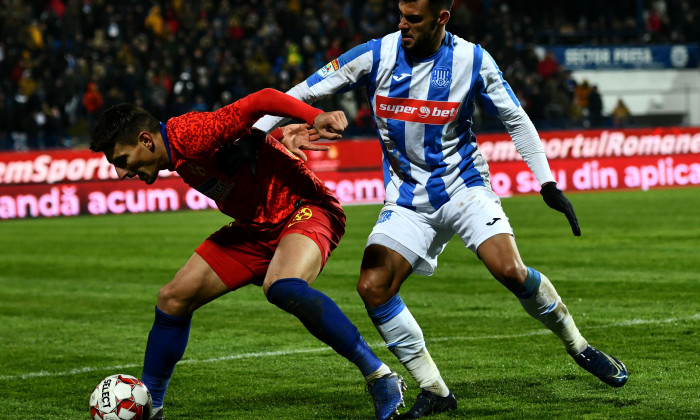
column 286, row 225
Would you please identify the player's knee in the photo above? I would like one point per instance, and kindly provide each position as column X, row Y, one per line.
column 375, row 287
column 173, row 301
column 363, row 288
column 512, row 275
column 515, row 272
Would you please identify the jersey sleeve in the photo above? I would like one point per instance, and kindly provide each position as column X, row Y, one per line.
column 498, row 99
column 527, row 142
column 496, row 95
column 274, row 102
column 345, row 73
column 200, row 134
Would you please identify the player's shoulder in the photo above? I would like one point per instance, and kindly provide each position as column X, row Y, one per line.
column 393, row 38
column 387, row 42
column 466, row 48
column 186, row 120
column 375, row 43
column 458, row 42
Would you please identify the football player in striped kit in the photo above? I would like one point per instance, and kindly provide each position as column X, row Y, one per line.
column 422, row 83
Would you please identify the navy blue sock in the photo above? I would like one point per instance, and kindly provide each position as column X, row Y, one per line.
column 166, row 345
column 324, row 319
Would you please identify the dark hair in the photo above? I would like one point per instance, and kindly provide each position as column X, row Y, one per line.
column 121, row 124
column 435, row 6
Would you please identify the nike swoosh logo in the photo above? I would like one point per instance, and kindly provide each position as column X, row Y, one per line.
column 495, row 219
column 620, row 374
column 403, row 76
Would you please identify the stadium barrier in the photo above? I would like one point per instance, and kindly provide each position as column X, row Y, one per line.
column 73, row 182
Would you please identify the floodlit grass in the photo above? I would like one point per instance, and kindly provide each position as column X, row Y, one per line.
column 77, row 297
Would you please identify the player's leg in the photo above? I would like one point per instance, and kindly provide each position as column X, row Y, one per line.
column 392, row 254
column 194, row 285
column 534, row 290
column 296, row 264
column 229, row 259
column 540, row 300
column 298, row 259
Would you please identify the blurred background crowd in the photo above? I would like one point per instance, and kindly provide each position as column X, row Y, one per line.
column 63, row 61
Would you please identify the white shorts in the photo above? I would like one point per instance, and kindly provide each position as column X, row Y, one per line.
column 474, row 214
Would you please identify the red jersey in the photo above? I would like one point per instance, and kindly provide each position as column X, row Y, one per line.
column 260, row 201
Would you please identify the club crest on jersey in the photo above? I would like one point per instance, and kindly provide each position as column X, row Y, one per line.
column 441, row 77
column 303, row 214
column 329, row 68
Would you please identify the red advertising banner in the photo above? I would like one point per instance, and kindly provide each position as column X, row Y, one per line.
column 639, row 172
column 99, row 197
column 72, row 182
column 496, row 148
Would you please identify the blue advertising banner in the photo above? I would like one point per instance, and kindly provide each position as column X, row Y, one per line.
column 677, row 56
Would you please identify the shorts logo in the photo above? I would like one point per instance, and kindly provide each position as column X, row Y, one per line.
column 441, row 77
column 329, row 68
column 303, row 214
column 384, row 216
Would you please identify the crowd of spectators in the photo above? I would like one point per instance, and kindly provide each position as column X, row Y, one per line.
column 63, row 61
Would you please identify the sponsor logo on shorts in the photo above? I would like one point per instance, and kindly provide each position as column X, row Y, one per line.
column 329, row 68
column 303, row 214
column 492, row 222
column 384, row 216
column 416, row 110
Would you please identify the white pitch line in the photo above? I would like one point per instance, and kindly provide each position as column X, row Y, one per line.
column 87, row 369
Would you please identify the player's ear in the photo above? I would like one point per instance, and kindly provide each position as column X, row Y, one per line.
column 146, row 138
column 443, row 17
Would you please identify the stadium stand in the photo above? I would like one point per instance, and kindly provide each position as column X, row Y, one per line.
column 62, row 61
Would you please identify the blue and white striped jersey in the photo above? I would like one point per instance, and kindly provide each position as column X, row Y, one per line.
column 423, row 113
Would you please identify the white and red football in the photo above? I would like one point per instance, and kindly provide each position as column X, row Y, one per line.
column 120, row 397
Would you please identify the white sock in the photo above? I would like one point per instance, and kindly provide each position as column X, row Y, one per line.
column 383, row 370
column 404, row 338
column 547, row 307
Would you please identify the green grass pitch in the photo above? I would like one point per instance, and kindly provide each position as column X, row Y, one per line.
column 77, row 298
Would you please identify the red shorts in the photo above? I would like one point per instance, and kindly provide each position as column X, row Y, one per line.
column 240, row 256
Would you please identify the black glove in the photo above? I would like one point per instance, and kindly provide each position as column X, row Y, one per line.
column 556, row 200
column 232, row 156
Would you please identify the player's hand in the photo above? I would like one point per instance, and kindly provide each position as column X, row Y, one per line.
column 296, row 137
column 556, row 200
column 331, row 124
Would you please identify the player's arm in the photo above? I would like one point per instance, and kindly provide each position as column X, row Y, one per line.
column 499, row 99
column 270, row 101
column 528, row 144
column 345, row 73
